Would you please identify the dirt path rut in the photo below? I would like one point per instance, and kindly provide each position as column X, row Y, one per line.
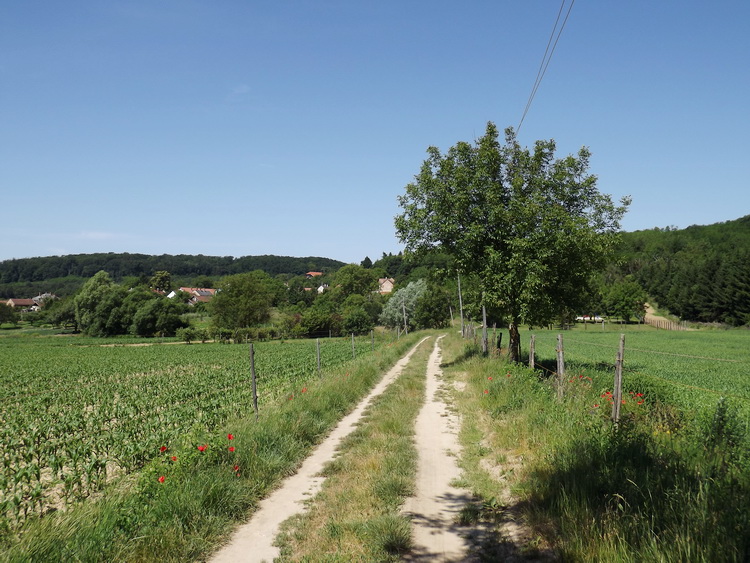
column 253, row 541
column 436, row 506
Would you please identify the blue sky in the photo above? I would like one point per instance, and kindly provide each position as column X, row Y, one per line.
column 247, row 127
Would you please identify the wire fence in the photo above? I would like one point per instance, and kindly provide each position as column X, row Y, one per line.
column 577, row 352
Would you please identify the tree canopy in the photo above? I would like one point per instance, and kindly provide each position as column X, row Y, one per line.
column 531, row 227
column 243, row 300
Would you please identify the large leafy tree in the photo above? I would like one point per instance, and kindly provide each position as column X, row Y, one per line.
column 243, row 300
column 97, row 306
column 7, row 314
column 530, row 226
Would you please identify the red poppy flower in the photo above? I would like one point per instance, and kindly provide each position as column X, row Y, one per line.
column 304, row 389
column 230, row 436
column 202, row 448
column 486, row 391
column 640, row 402
column 596, row 406
column 163, row 449
column 490, row 378
column 236, row 467
column 291, row 396
column 231, row 448
column 161, row 479
column 174, row 458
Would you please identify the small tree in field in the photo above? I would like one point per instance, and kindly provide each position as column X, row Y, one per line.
column 532, row 228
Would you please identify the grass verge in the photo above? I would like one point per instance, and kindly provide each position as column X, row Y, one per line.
column 356, row 516
column 663, row 485
column 184, row 504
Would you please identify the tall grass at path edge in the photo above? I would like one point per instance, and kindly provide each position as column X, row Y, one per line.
column 184, row 504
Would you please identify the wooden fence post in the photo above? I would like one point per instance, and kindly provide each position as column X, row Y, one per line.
column 317, row 347
column 255, row 385
column 485, row 344
column 560, row 366
column 354, row 355
column 617, row 394
column 531, row 351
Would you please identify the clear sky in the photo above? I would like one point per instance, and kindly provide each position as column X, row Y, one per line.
column 237, row 128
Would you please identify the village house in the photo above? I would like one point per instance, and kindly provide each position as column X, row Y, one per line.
column 197, row 294
column 24, row 304
column 385, row 285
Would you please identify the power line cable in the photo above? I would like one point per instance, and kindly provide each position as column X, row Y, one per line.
column 546, row 58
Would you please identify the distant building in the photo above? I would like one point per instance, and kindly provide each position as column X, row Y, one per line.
column 385, row 285
column 313, row 274
column 18, row 303
column 197, row 294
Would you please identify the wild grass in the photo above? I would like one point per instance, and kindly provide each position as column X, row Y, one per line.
column 356, row 516
column 665, row 484
column 203, row 494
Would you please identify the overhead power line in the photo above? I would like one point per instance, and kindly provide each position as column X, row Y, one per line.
column 548, row 52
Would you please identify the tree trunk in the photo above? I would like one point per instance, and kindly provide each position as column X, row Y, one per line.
column 514, row 344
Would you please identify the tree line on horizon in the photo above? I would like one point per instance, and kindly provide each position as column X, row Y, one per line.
column 700, row 273
column 24, row 277
column 530, row 234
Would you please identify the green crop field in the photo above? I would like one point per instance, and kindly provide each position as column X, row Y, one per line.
column 75, row 414
column 691, row 370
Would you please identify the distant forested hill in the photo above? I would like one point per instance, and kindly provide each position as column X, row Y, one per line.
column 63, row 274
column 701, row 273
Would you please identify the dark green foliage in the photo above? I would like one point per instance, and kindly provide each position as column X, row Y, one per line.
column 65, row 274
column 701, row 273
column 7, row 314
column 625, row 299
column 433, row 308
column 103, row 308
column 531, row 227
column 243, row 300
column 158, row 316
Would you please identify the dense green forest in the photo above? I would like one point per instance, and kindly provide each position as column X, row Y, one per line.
column 701, row 273
column 64, row 275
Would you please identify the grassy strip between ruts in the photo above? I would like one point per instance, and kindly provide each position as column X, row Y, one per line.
column 663, row 485
column 356, row 516
column 181, row 506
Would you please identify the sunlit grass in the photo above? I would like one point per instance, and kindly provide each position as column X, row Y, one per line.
column 356, row 516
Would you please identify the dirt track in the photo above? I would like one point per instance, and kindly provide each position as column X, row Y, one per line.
column 436, row 506
column 433, row 510
column 253, row 542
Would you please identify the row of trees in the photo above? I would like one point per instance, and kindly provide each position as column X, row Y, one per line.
column 701, row 273
column 30, row 276
column 346, row 301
